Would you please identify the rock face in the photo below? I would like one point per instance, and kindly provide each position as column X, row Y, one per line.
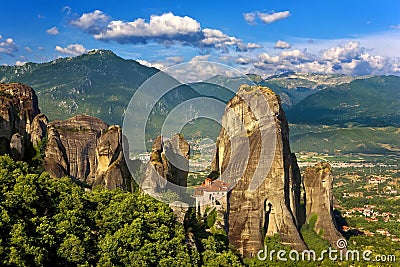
column 17, row 146
column 319, row 200
column 112, row 171
column 89, row 151
column 39, row 129
column 84, row 148
column 169, row 161
column 270, row 205
column 19, row 116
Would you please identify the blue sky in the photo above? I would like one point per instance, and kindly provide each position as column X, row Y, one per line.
column 264, row 37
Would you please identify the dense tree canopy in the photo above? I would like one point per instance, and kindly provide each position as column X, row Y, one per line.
column 55, row 222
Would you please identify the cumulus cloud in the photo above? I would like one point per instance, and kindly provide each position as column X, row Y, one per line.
column 92, row 22
column 53, row 31
column 243, row 60
column 72, row 49
column 20, row 63
column 266, row 62
column 162, row 64
column 350, row 59
column 220, row 40
column 200, row 58
column 266, row 58
column 274, row 16
column 217, row 39
column 7, row 46
column 266, row 18
column 282, row 45
column 293, row 54
column 153, row 64
column 251, row 46
column 166, row 29
column 343, row 53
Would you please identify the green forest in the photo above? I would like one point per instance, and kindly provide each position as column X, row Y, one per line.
column 55, row 222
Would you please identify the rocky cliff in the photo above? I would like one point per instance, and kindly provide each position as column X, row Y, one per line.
column 19, row 119
column 319, row 201
column 89, row 151
column 111, row 171
column 265, row 198
column 169, row 162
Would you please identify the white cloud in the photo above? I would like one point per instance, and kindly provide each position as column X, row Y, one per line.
column 20, row 63
column 165, row 29
column 293, row 54
column 274, row 16
column 53, row 31
column 92, row 22
column 250, row 17
column 243, row 60
column 218, row 39
column 251, row 46
column 265, row 58
column 266, row 18
column 72, row 49
column 175, row 60
column 395, row 26
column 28, row 49
column 343, row 53
column 162, row 64
column 200, row 58
column 282, row 45
column 8, row 46
column 350, row 58
column 155, row 64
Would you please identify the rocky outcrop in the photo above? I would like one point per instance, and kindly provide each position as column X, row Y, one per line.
column 169, row 162
column 39, row 129
column 89, row 151
column 17, row 146
column 111, row 171
column 19, row 116
column 265, row 197
column 319, row 201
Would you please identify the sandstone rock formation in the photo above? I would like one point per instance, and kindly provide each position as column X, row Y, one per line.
column 111, row 171
column 89, row 151
column 267, row 205
column 39, row 129
column 19, row 116
column 169, row 161
column 319, row 201
column 17, row 146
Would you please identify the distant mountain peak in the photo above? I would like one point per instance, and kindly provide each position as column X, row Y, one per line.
column 101, row 52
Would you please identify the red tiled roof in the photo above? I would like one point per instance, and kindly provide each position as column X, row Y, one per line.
column 214, row 186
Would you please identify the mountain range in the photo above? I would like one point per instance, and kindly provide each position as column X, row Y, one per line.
column 101, row 84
